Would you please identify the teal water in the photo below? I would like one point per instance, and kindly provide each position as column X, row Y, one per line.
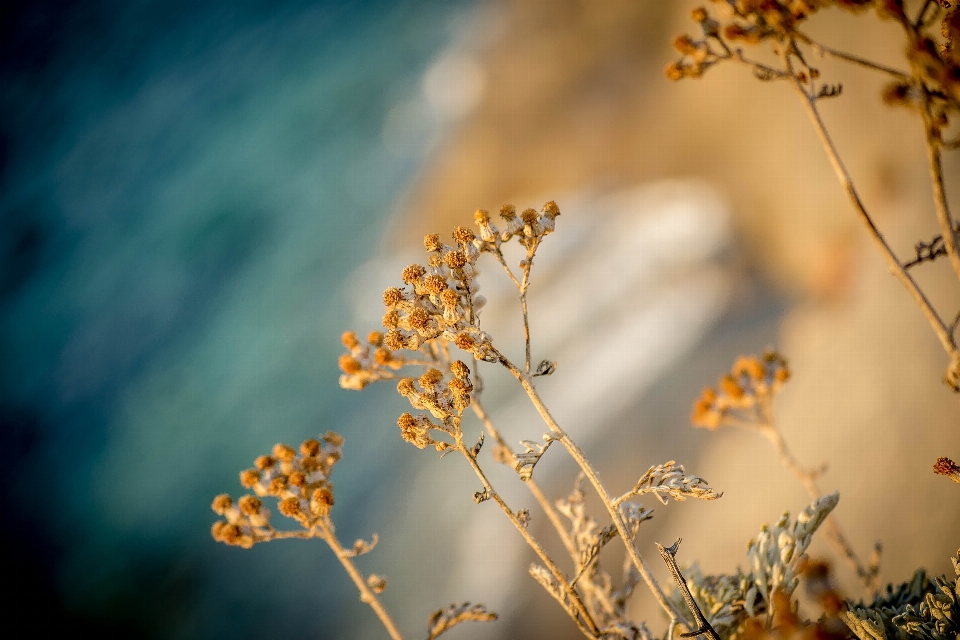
column 183, row 189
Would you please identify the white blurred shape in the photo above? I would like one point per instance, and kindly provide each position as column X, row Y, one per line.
column 454, row 84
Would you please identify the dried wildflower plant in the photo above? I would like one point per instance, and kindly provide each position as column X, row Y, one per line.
column 929, row 85
column 432, row 348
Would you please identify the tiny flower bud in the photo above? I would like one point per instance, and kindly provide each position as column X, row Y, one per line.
column 289, row 507
column 349, row 339
column 284, row 452
column 459, row 369
column 392, row 296
column 249, row 477
column 349, row 365
column 250, row 505
column 221, row 503
column 413, row 273
column 264, row 462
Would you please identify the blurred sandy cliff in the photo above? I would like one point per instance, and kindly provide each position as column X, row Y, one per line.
column 700, row 221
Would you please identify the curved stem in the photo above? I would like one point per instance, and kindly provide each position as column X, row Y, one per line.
column 591, row 474
column 936, row 323
column 580, row 615
column 947, row 228
column 538, row 494
column 851, row 58
column 366, row 594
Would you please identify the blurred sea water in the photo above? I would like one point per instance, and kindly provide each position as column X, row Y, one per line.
column 184, row 188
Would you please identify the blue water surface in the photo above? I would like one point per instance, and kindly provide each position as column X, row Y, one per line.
column 184, row 187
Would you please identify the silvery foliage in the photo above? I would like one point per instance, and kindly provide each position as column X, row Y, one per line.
column 774, row 561
column 670, row 479
column 921, row 608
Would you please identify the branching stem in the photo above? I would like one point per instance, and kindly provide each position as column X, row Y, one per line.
column 552, row 515
column 579, row 614
column 896, row 267
column 591, row 474
column 366, row 593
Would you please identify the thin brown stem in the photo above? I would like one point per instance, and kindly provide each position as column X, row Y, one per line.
column 849, row 57
column 552, row 515
column 947, row 228
column 807, row 478
column 591, row 474
column 579, row 614
column 896, row 267
column 366, row 593
column 920, row 21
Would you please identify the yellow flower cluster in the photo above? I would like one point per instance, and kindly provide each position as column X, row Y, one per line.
column 366, row 362
column 750, row 382
column 298, row 480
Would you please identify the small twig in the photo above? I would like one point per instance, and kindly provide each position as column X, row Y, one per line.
column 579, row 614
column 541, row 498
column 948, row 232
column 366, row 594
column 591, row 474
column 936, row 323
column 824, row 50
column 703, row 626
column 929, row 251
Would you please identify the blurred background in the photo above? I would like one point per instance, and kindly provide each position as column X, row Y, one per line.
column 198, row 198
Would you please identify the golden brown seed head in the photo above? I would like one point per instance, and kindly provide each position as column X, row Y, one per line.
column 449, row 298
column 349, row 364
column 508, row 212
column 227, row 533
column 455, row 259
column 730, row 387
column 430, row 378
column 375, row 338
column 310, row 447
column 459, row 387
column 221, row 503
column 435, row 284
column 674, row 71
column 289, row 507
column 264, row 462
column 284, row 452
column 383, row 356
column 333, row 438
column 250, row 505
column 277, row 485
column 249, row 477
column 349, row 339
column 322, row 500
column 394, row 339
column 465, row 341
column 459, row 369
column 432, row 242
column 943, row 466
column 405, row 387
column 481, row 216
column 297, row 479
column 529, row 216
column 463, row 235
column 391, row 320
column 413, row 273
column 551, row 210
column 418, row 318
column 699, row 14
column 684, row 44
column 392, row 296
